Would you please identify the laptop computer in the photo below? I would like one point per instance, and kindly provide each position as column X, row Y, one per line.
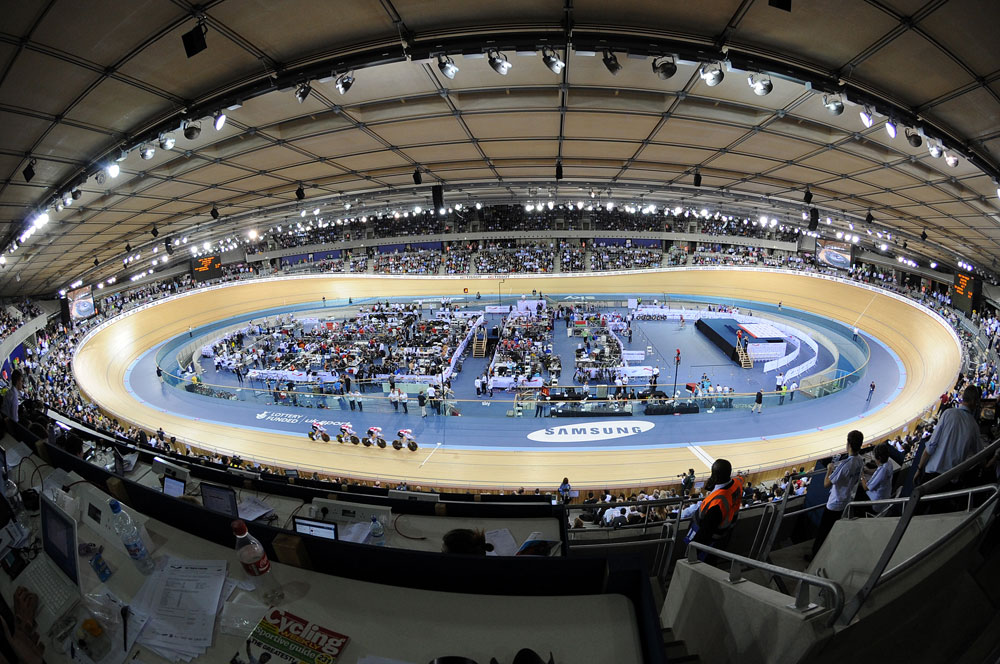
column 173, row 487
column 315, row 528
column 55, row 574
column 219, row 499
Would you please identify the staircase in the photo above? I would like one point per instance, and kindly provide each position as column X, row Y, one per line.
column 479, row 344
column 745, row 360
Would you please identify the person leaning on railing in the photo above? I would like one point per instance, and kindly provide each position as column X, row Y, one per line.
column 956, row 438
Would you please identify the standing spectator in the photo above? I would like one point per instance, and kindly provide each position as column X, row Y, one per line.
column 394, row 399
column 357, row 397
column 842, row 479
column 564, row 490
column 758, row 404
column 12, row 400
column 791, row 391
column 350, row 399
column 422, row 400
column 479, row 386
column 402, row 399
column 956, row 438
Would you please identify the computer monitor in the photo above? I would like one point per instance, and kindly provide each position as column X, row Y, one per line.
column 59, row 539
column 292, row 474
column 219, row 499
column 315, row 528
column 172, row 487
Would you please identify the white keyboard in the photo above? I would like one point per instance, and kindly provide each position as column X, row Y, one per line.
column 55, row 592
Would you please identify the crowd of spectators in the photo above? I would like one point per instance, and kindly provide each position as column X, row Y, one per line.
column 422, row 261
column 572, row 259
column 624, row 258
column 510, row 258
column 23, row 311
column 457, row 260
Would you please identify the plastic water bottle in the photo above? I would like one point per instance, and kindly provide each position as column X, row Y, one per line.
column 256, row 564
column 376, row 533
column 131, row 538
column 13, row 497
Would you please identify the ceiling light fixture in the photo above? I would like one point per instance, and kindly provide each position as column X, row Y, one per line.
column 499, row 62
column 192, row 130
column 344, row 83
column 219, row 121
column 912, row 137
column 760, row 85
column 214, row 212
column 712, row 74
column 665, row 67
column 552, row 60
column 834, row 105
column 951, row 160
column 936, row 149
column 890, row 128
column 611, row 62
column 146, row 151
column 867, row 119
column 447, row 66
column 113, row 170
column 29, row 171
column 302, row 92
column 67, row 198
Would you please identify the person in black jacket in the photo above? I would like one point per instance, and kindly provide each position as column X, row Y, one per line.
column 422, row 400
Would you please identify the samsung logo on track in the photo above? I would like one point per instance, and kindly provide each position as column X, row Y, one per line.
column 579, row 433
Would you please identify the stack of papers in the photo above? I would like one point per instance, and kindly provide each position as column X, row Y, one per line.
column 253, row 508
column 181, row 599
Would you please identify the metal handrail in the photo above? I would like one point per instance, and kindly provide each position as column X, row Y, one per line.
column 802, row 603
column 936, row 496
column 909, row 509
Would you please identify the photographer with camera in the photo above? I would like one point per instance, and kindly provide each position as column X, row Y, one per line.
column 842, row 477
column 687, row 482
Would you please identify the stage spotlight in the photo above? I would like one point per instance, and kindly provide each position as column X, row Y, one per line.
column 807, row 198
column 219, row 121
column 67, row 198
column 499, row 62
column 712, row 74
column 214, row 212
column 447, row 66
column 951, row 160
column 146, row 151
column 113, row 170
column 664, row 67
column 697, row 179
column 194, row 40
column 890, row 128
column 417, row 178
column 552, row 60
column 192, row 130
column 559, row 170
column 300, row 193
column 611, row 62
column 912, row 137
column 835, row 105
column 29, row 171
column 76, row 194
column 935, row 149
column 761, row 86
column 167, row 142
column 867, row 119
column 154, row 232
column 344, row 83
column 302, row 92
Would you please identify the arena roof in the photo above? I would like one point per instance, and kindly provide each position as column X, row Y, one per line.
column 79, row 82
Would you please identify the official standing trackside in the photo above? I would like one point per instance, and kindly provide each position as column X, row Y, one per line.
column 758, row 404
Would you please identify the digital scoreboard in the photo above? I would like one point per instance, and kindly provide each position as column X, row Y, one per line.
column 966, row 293
column 206, row 267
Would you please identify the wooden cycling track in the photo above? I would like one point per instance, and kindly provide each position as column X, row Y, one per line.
column 928, row 351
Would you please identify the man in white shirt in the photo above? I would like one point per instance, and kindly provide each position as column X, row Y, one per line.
column 842, row 480
column 879, row 487
column 956, row 438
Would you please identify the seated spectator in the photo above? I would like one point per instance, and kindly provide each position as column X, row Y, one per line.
column 465, row 541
